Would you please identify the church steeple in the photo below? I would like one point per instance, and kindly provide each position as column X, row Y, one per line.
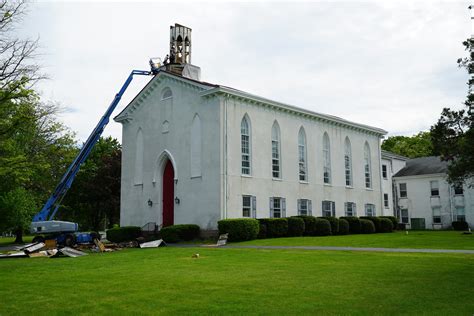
column 180, row 44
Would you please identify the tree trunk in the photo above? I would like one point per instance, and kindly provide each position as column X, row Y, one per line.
column 19, row 236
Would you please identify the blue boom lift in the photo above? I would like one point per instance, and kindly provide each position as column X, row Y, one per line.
column 63, row 232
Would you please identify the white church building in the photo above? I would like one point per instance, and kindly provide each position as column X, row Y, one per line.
column 195, row 152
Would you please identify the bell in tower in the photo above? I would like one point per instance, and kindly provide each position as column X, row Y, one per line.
column 180, row 53
column 180, row 44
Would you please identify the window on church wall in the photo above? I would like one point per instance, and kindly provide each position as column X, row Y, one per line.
column 249, row 206
column 369, row 210
column 277, row 207
column 329, row 208
column 350, row 209
column 196, row 144
column 245, row 145
column 326, row 159
column 138, row 179
column 303, row 169
column 276, row 152
column 304, row 207
column 348, row 162
column 166, row 108
column 367, row 167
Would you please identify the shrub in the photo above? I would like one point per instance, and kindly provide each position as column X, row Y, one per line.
column 458, row 225
column 323, row 227
column 121, row 234
column 295, row 226
column 374, row 220
column 343, row 227
column 239, row 229
column 309, row 225
column 386, row 225
column 401, row 226
column 354, row 224
column 262, row 232
column 366, row 226
column 176, row 233
column 393, row 219
column 334, row 223
column 276, row 227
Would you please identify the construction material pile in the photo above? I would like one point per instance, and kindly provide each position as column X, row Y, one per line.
column 50, row 249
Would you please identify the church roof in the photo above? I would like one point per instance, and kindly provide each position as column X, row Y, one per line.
column 423, row 166
column 209, row 89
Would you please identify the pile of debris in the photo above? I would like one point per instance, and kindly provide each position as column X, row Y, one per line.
column 50, row 249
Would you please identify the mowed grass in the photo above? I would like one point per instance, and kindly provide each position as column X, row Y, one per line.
column 414, row 239
column 239, row 281
column 6, row 241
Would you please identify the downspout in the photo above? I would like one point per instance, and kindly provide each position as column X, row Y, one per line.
column 225, row 156
column 382, row 206
column 450, row 202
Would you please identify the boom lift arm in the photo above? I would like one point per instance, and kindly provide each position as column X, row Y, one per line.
column 50, row 208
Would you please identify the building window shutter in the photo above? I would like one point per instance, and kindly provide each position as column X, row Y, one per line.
column 283, row 207
column 354, row 209
column 333, row 209
column 299, row 206
column 310, row 208
column 254, row 207
column 271, row 207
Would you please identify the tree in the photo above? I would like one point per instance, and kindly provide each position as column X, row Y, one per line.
column 17, row 66
column 453, row 134
column 94, row 198
column 18, row 206
column 418, row 145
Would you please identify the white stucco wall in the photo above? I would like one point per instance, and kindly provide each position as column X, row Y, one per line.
column 263, row 186
column 199, row 196
column 419, row 201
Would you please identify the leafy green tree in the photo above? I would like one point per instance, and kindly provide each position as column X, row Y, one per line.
column 453, row 134
column 418, row 145
column 94, row 198
column 16, row 209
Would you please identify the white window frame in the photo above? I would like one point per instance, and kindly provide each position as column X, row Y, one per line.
column 246, row 146
column 302, row 156
column 403, row 217
column 370, row 209
column 326, row 159
column 348, row 162
column 367, row 166
column 458, row 187
column 251, row 207
column 436, row 210
column 277, row 207
column 406, row 190
column 328, row 208
column 386, row 202
column 353, row 209
column 304, row 207
column 276, row 151
column 460, row 213
column 434, row 188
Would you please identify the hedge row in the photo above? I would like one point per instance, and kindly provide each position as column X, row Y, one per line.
column 239, row 229
column 177, row 233
column 121, row 234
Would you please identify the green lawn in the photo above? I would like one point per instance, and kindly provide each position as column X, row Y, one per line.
column 6, row 241
column 239, row 281
column 414, row 239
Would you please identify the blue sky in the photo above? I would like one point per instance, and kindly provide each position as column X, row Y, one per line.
column 390, row 64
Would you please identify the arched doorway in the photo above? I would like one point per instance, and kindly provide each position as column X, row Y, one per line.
column 168, row 194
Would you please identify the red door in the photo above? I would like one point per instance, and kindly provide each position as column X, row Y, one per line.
column 168, row 195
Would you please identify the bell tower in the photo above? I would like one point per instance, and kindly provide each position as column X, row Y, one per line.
column 180, row 44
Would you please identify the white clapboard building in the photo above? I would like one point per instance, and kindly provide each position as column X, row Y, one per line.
column 195, row 152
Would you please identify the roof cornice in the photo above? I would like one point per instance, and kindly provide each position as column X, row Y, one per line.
column 254, row 99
